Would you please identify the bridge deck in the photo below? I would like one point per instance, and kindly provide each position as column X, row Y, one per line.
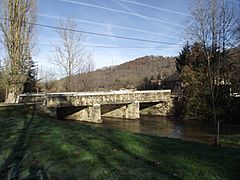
column 114, row 97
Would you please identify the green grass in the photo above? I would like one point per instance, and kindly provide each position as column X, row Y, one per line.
column 33, row 146
column 231, row 140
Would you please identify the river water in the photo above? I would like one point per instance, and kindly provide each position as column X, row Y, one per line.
column 167, row 127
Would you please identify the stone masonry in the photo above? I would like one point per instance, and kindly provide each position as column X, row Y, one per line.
column 91, row 105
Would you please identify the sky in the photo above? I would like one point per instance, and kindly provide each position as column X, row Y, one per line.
column 154, row 20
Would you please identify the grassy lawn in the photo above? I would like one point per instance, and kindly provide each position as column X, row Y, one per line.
column 34, row 146
column 231, row 140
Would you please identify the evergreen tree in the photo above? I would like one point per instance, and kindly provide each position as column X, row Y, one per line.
column 31, row 82
column 184, row 58
column 194, row 79
column 152, row 78
column 159, row 77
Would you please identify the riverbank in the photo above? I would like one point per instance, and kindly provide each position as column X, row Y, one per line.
column 33, row 144
column 232, row 140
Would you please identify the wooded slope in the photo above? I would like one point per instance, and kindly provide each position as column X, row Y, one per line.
column 127, row 75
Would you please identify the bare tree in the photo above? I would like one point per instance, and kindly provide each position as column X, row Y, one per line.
column 68, row 52
column 48, row 79
column 4, row 79
column 17, row 27
column 85, row 79
column 212, row 25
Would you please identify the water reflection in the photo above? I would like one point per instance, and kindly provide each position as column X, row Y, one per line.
column 166, row 127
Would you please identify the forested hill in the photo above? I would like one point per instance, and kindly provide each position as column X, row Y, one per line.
column 127, row 75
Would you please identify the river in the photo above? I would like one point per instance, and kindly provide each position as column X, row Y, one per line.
column 167, row 127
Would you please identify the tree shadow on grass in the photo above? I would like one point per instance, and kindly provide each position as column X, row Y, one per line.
column 182, row 151
column 139, row 160
column 10, row 168
column 9, row 111
column 84, row 152
column 79, row 151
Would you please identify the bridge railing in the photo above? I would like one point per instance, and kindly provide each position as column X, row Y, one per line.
column 89, row 98
column 31, row 98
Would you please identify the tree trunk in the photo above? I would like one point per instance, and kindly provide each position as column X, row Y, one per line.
column 11, row 96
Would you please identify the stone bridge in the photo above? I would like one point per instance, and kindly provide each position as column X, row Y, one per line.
column 90, row 106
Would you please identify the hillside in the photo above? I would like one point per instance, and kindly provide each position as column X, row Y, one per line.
column 127, row 75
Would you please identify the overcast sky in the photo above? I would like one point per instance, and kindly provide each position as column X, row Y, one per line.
column 158, row 20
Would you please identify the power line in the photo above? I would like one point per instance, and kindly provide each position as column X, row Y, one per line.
column 109, row 47
column 101, row 46
column 95, row 33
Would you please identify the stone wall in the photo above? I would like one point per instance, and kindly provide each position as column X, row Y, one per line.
column 160, row 109
column 88, row 114
column 125, row 111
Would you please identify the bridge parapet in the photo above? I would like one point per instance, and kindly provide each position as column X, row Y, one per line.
column 115, row 97
column 31, row 98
